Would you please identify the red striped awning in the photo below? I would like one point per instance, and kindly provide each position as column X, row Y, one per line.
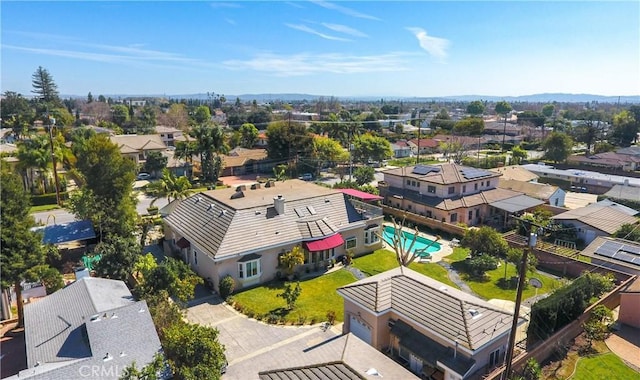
column 323, row 244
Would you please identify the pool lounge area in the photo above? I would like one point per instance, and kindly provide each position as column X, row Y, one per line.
column 423, row 248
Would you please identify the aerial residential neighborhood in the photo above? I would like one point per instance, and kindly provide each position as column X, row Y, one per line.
column 320, row 190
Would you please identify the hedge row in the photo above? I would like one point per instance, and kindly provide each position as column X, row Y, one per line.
column 48, row 199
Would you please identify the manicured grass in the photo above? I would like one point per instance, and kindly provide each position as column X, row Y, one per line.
column 434, row 271
column 43, row 208
column 459, row 254
column 489, row 288
column 377, row 262
column 411, row 161
column 606, row 366
column 318, row 296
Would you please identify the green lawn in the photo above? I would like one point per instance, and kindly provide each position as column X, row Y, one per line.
column 318, row 296
column 458, row 254
column 377, row 262
column 411, row 161
column 489, row 288
column 434, row 271
column 43, row 208
column 606, row 366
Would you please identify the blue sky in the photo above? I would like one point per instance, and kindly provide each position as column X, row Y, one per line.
column 340, row 48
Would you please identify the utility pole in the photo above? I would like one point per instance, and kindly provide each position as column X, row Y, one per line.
column 516, row 313
column 53, row 160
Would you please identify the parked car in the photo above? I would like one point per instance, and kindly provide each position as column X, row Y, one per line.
column 307, row 177
column 143, row 176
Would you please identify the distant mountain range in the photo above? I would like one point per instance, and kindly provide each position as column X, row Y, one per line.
column 534, row 98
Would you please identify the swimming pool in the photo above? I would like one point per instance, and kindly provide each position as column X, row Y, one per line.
column 419, row 246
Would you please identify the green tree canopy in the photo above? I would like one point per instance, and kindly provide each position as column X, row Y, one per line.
column 193, row 351
column 475, row 108
column 44, row 87
column 503, row 108
column 471, row 126
column 518, row 154
column 120, row 114
column 173, row 276
column 286, row 140
column 548, row 110
column 485, row 241
column 20, row 248
column 364, row 175
column 625, row 128
column 202, row 115
column 155, row 163
column 119, row 256
column 248, row 135
column 557, row 146
column 16, row 113
column 368, row 147
column 210, row 142
column 533, row 118
column 328, row 151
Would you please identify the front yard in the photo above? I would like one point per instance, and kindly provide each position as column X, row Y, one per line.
column 318, row 296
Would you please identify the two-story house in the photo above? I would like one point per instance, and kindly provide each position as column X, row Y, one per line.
column 137, row 147
column 453, row 193
column 243, row 231
column 170, row 135
column 438, row 331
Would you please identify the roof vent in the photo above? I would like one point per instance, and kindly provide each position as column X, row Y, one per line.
column 223, row 213
column 255, row 186
column 237, row 195
column 107, row 357
column 198, row 199
column 241, row 188
column 443, row 288
column 474, row 313
column 210, row 207
column 270, row 184
column 95, row 318
column 141, row 310
column 122, row 354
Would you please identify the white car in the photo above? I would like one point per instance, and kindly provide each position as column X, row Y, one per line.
column 143, row 176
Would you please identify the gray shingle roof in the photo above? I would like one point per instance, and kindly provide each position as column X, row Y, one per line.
column 449, row 174
column 518, row 203
column 446, row 311
column 55, row 324
column 624, row 192
column 222, row 226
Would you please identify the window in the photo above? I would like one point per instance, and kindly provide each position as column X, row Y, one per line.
column 454, row 218
column 195, row 257
column 170, row 136
column 413, row 183
column 475, row 186
column 418, row 183
column 494, row 358
column 477, row 213
column 470, row 214
column 350, row 243
column 371, row 236
column 488, row 183
column 409, row 207
column 464, row 188
column 482, row 183
column 452, row 189
column 249, row 269
column 408, row 182
column 431, row 189
column 429, row 215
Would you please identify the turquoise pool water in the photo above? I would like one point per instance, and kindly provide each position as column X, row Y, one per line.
column 419, row 246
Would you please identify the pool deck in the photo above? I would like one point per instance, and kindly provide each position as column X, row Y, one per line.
column 446, row 247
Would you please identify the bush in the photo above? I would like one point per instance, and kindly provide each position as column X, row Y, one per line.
column 227, row 285
column 331, row 317
column 47, row 199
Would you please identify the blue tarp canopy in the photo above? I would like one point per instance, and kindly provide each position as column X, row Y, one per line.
column 67, row 232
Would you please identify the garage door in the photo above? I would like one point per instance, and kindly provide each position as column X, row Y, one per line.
column 359, row 329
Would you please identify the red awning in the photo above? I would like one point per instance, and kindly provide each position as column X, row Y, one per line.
column 361, row 195
column 326, row 243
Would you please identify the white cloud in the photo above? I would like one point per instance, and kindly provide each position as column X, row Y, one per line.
column 344, row 29
column 309, row 30
column 435, row 46
column 344, row 10
column 230, row 21
column 308, row 64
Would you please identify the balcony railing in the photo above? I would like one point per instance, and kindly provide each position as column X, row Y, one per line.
column 368, row 211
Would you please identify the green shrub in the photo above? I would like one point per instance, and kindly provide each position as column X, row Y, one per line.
column 47, row 199
column 331, row 317
column 227, row 285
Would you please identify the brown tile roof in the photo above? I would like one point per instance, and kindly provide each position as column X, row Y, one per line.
column 604, row 218
column 222, row 226
column 445, row 311
column 138, row 142
column 448, row 174
column 425, row 143
column 515, row 172
column 532, row 189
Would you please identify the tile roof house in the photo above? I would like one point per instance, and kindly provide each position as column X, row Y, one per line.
column 170, row 135
column 241, row 161
column 344, row 357
column 436, row 330
column 401, row 149
column 136, row 147
column 624, row 192
column 595, row 220
column 611, row 160
column 552, row 195
column 91, row 323
column 423, row 146
column 515, row 172
column 453, row 193
column 242, row 232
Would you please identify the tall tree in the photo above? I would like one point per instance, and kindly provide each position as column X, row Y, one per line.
column 16, row 113
column 170, row 186
column 248, row 135
column 625, row 129
column 210, row 142
column 155, row 163
column 557, row 146
column 371, row 148
column 20, row 248
column 485, row 240
column 471, row 126
column 288, row 139
column 193, row 351
column 202, row 115
column 120, row 114
column 328, row 151
column 146, row 122
column 106, row 197
column 119, row 256
column 44, row 87
column 503, row 108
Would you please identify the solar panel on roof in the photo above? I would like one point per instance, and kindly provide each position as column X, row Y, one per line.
column 631, row 249
column 621, row 252
column 608, row 249
column 425, row 169
column 472, row 173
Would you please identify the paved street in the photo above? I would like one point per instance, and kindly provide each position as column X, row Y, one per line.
column 249, row 344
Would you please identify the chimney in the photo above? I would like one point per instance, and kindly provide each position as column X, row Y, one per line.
column 278, row 204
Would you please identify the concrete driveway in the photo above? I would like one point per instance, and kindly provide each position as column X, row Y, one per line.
column 249, row 344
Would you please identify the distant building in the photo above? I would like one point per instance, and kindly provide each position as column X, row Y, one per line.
column 516, row 173
column 618, row 254
column 589, row 181
column 170, row 135
column 551, row 195
column 624, row 192
column 401, row 149
column 137, row 147
column 595, row 220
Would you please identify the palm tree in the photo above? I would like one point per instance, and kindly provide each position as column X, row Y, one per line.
column 35, row 156
column 170, row 186
column 210, row 142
